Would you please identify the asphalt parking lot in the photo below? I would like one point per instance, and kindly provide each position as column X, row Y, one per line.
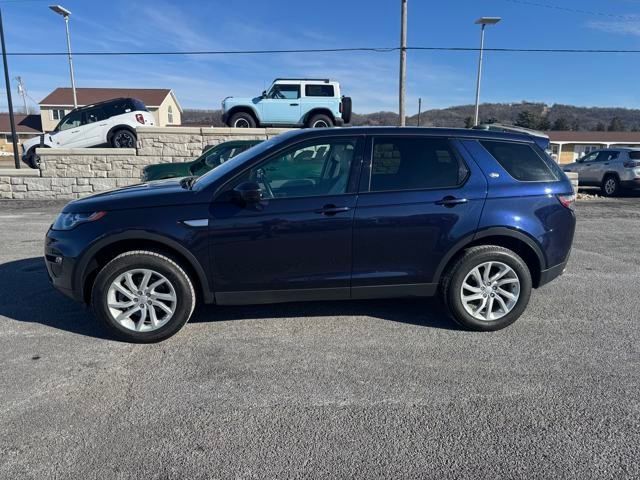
column 385, row 389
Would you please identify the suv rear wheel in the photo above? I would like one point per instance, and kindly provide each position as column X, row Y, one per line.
column 242, row 120
column 143, row 296
column 320, row 120
column 610, row 186
column 487, row 289
column 123, row 139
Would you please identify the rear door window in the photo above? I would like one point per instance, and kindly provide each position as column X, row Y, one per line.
column 415, row 163
column 117, row 107
column 521, row 161
column 318, row 90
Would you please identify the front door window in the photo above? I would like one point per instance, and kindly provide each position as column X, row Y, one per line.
column 311, row 170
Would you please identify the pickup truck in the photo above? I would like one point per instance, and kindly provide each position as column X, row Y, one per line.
column 290, row 102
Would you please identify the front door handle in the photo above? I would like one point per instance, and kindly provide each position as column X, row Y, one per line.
column 450, row 201
column 294, row 104
column 331, row 210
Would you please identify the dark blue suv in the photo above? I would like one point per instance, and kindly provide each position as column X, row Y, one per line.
column 325, row 214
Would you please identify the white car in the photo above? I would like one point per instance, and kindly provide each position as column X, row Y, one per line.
column 113, row 122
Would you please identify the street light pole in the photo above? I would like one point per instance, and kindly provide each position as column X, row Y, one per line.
column 12, row 122
column 66, row 14
column 403, row 60
column 483, row 22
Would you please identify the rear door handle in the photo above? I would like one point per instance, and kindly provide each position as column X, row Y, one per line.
column 331, row 210
column 450, row 201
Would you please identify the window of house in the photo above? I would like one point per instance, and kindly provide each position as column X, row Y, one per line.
column 9, row 138
column 57, row 114
column 170, row 114
column 321, row 90
column 520, row 160
column 406, row 163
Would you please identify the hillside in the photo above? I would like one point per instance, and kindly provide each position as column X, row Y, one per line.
column 526, row 114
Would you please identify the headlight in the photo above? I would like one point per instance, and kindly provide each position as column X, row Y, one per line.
column 67, row 221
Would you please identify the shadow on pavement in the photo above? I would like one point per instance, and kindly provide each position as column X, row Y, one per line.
column 27, row 296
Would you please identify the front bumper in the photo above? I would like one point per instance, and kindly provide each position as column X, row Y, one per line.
column 61, row 266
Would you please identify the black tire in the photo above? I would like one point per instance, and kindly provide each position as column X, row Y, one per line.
column 610, row 186
column 32, row 159
column 160, row 263
column 123, row 138
column 320, row 120
column 346, row 109
column 473, row 257
column 242, row 120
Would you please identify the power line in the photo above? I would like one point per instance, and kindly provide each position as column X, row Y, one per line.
column 330, row 50
column 574, row 10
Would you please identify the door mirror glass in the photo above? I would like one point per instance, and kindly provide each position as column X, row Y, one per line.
column 264, row 94
column 247, row 193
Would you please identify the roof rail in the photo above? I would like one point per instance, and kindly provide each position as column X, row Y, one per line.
column 325, row 80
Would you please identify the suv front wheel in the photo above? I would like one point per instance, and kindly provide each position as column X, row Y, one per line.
column 242, row 120
column 123, row 139
column 488, row 288
column 143, row 296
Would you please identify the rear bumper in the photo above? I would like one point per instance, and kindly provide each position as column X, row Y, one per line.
column 551, row 273
column 635, row 183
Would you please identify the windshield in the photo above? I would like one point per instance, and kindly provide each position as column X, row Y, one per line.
column 239, row 159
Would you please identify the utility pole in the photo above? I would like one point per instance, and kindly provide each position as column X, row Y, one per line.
column 23, row 93
column 419, row 109
column 60, row 10
column 403, row 60
column 14, row 135
column 483, row 22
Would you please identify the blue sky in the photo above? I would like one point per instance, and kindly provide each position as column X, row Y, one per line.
column 440, row 78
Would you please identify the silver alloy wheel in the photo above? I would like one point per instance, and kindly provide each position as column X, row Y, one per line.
column 241, row 123
column 141, row 300
column 610, row 186
column 319, row 124
column 490, row 291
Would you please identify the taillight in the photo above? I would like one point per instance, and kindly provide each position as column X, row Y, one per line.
column 631, row 164
column 567, row 201
column 340, row 107
column 140, row 118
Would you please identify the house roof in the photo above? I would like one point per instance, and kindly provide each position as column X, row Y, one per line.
column 594, row 137
column 24, row 123
column 63, row 97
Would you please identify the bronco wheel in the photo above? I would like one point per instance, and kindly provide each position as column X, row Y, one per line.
column 488, row 288
column 32, row 159
column 320, row 121
column 143, row 296
column 610, row 186
column 242, row 120
column 123, row 139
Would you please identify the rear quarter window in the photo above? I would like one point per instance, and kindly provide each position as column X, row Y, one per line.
column 524, row 162
column 318, row 90
column 634, row 155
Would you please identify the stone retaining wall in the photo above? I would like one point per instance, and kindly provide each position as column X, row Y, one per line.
column 74, row 173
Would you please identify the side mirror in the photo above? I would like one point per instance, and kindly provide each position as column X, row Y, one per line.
column 247, row 193
column 264, row 94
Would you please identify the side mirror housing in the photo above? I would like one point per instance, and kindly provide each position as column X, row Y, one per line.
column 264, row 94
column 247, row 193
